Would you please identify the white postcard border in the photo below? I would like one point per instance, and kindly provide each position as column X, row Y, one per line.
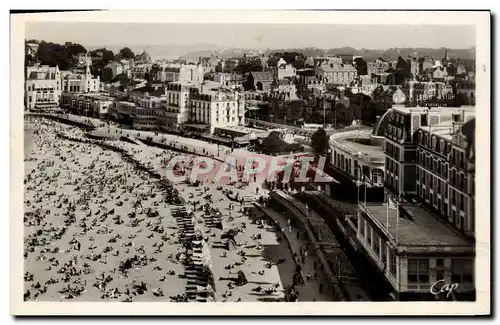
column 481, row 20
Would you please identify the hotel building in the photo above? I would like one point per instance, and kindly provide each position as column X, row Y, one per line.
column 177, row 107
column 211, row 110
column 42, row 87
column 429, row 235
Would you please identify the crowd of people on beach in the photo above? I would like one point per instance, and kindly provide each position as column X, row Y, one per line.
column 98, row 223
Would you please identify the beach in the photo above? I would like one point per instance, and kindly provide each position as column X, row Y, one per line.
column 97, row 228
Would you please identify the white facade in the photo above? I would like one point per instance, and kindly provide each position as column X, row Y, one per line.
column 284, row 71
column 217, row 109
column 42, row 87
column 180, row 73
column 80, row 83
column 358, row 160
column 177, row 107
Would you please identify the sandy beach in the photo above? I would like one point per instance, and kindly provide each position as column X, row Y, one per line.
column 96, row 228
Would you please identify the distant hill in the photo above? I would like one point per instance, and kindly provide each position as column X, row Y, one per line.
column 367, row 54
column 158, row 51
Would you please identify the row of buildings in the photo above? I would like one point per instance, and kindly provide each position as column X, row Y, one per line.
column 422, row 229
column 177, row 107
column 44, row 85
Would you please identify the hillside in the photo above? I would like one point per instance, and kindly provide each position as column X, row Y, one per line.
column 367, row 54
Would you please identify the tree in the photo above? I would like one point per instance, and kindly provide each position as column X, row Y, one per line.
column 105, row 54
column 126, row 53
column 53, row 54
column 361, row 66
column 73, row 49
column 319, row 141
column 107, row 75
column 123, row 79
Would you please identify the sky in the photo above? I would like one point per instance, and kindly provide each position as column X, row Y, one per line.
column 258, row 36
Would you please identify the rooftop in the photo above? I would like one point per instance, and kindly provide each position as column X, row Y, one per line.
column 359, row 141
column 337, row 67
column 423, row 230
column 441, row 111
column 151, row 91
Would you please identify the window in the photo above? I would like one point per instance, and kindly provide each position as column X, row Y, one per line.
column 461, row 270
column 418, row 273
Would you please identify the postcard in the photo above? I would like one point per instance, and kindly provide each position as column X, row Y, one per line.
column 250, row 163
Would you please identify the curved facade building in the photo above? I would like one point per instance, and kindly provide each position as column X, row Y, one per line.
column 357, row 153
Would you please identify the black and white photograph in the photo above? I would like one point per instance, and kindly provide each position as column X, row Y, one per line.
column 199, row 160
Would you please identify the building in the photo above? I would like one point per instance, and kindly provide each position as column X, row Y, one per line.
column 376, row 67
column 116, row 69
column 438, row 73
column 143, row 58
column 284, row 70
column 180, row 73
column 358, row 156
column 229, row 79
column 178, row 103
column 259, row 81
column 321, row 60
column 88, row 104
column 445, row 178
column 413, row 250
column 84, row 60
column 400, row 146
column 150, row 104
column 42, row 87
column 338, row 74
column 80, row 83
column 140, row 71
column 410, row 66
column 213, row 110
column 420, row 92
column 425, row 64
column 413, row 241
column 286, row 87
